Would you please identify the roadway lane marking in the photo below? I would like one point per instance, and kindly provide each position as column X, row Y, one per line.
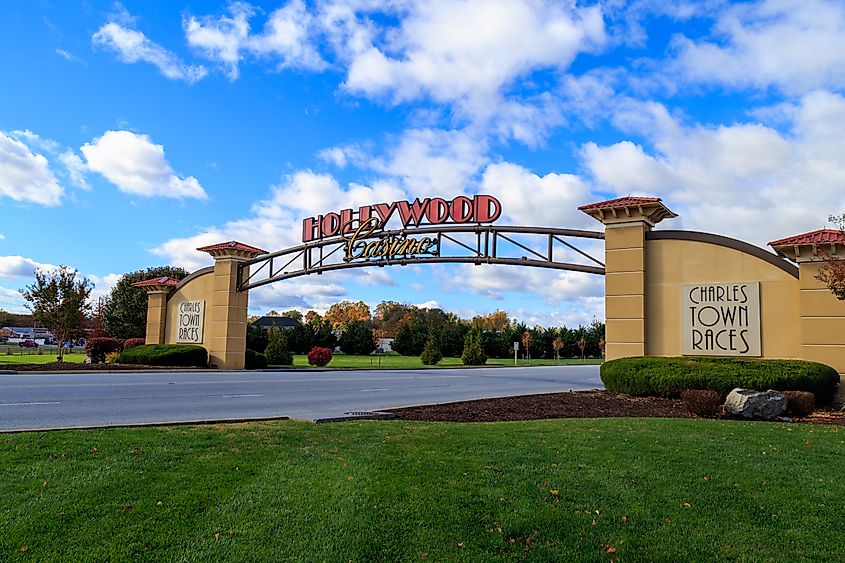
column 34, row 403
column 242, row 395
column 375, row 389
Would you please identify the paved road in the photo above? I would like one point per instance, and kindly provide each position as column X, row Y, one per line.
column 43, row 401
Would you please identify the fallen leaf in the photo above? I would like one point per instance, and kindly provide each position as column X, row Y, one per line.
column 461, row 545
column 217, row 535
column 231, row 533
column 609, row 549
column 624, row 519
column 128, row 507
column 349, row 477
column 24, row 548
column 512, row 541
column 554, row 492
column 94, row 450
column 158, row 503
column 594, row 522
column 687, row 505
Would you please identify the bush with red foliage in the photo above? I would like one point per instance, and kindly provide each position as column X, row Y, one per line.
column 98, row 347
column 800, row 403
column 319, row 357
column 133, row 342
column 702, row 402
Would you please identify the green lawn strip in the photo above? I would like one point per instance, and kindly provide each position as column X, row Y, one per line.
column 390, row 361
column 45, row 357
column 653, row 489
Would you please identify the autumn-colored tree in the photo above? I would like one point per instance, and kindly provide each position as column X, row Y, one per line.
column 526, row 342
column 59, row 302
column 340, row 314
column 582, row 345
column 832, row 272
column 602, row 344
column 312, row 317
column 390, row 316
column 495, row 321
column 557, row 345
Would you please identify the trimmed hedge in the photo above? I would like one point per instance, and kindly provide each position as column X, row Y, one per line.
column 175, row 355
column 255, row 360
column 669, row 376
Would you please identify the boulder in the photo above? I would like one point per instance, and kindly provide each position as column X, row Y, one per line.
column 755, row 404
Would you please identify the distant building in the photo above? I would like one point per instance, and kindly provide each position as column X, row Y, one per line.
column 267, row 323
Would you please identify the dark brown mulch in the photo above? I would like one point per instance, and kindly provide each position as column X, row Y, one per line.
column 70, row 366
column 580, row 404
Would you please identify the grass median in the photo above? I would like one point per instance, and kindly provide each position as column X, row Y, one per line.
column 586, row 489
column 46, row 357
column 390, row 361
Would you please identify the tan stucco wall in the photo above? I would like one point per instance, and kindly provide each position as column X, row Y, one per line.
column 197, row 289
column 673, row 263
column 822, row 321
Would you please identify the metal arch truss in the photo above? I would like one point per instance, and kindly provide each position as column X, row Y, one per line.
column 537, row 247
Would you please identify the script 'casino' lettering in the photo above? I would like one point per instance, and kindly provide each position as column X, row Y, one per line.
column 189, row 322
column 721, row 319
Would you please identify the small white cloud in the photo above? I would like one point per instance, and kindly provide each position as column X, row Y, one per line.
column 133, row 46
column 75, row 168
column 20, row 267
column 286, row 38
column 432, row 304
column 2, row 236
column 137, row 166
column 68, row 56
column 26, row 176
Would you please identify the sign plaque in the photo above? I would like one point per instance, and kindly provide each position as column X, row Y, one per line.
column 720, row 319
column 190, row 321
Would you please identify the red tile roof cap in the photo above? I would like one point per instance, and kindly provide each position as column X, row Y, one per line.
column 821, row 236
column 157, row 281
column 232, row 244
column 627, row 201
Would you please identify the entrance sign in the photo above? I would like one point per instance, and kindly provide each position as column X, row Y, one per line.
column 190, row 321
column 435, row 211
column 720, row 319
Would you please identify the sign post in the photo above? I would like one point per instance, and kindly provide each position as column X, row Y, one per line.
column 515, row 351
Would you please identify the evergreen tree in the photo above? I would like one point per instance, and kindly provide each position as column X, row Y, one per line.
column 473, row 353
column 277, row 349
column 431, row 354
column 125, row 310
column 357, row 339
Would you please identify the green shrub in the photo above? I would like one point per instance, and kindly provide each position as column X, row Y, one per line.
column 173, row 355
column 473, row 352
column 255, row 360
column 670, row 376
column 431, row 353
column 277, row 349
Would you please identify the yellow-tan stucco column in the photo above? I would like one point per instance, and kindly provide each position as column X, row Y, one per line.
column 626, row 221
column 227, row 315
column 822, row 314
column 157, row 291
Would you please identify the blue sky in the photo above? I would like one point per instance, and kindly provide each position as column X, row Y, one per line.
column 132, row 133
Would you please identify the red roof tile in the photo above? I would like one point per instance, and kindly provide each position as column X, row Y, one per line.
column 232, row 244
column 627, row 201
column 157, row 281
column 821, row 236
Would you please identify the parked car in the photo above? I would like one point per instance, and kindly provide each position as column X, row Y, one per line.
column 28, row 344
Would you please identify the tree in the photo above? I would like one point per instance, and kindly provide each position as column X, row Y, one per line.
column 341, row 314
column 15, row 319
column 293, row 314
column 256, row 338
column 473, row 354
column 431, row 353
column 390, row 316
column 125, row 309
column 59, row 302
column 832, row 272
column 557, row 344
column 357, row 339
column 277, row 351
column 526, row 343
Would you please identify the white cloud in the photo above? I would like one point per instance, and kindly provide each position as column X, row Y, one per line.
column 470, row 50
column 746, row 180
column 75, row 168
column 12, row 301
column 133, row 46
column 287, row 37
column 26, row 176
column 20, row 267
column 2, row 236
column 432, row 304
column 137, row 166
column 102, row 285
column 794, row 45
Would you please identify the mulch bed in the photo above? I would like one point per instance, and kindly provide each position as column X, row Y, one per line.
column 580, row 404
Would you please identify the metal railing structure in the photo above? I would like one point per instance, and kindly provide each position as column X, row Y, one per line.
column 537, row 247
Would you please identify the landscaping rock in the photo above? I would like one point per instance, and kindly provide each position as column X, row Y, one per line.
column 749, row 403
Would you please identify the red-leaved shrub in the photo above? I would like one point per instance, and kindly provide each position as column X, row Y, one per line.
column 800, row 403
column 133, row 342
column 702, row 402
column 319, row 357
column 98, row 347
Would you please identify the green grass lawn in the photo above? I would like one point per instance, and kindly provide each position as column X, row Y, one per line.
column 406, row 362
column 35, row 358
column 644, row 489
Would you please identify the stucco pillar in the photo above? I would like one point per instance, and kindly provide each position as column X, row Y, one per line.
column 626, row 221
column 822, row 314
column 227, row 318
column 157, row 291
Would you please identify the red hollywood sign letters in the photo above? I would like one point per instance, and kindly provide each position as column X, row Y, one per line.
column 435, row 210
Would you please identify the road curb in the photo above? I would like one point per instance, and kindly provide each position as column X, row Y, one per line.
column 149, row 424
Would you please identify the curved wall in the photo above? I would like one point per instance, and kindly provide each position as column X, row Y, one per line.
column 196, row 287
column 675, row 258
